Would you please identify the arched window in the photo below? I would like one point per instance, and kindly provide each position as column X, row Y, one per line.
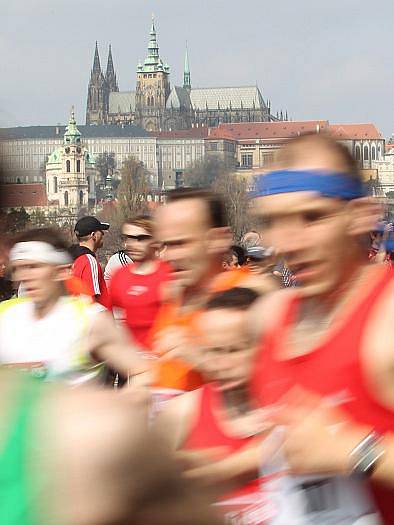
column 88, row 179
column 366, row 152
column 66, row 198
column 152, row 101
column 373, row 153
column 54, row 184
column 78, row 166
column 81, row 198
column 68, row 166
column 358, row 153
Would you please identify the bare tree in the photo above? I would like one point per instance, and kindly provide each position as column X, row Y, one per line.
column 234, row 190
column 204, row 173
column 134, row 188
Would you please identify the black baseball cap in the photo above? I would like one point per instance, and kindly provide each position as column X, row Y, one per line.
column 88, row 225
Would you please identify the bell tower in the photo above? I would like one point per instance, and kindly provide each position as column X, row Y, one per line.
column 153, row 86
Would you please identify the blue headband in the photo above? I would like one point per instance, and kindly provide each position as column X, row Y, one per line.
column 328, row 184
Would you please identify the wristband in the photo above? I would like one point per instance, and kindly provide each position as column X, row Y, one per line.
column 366, row 454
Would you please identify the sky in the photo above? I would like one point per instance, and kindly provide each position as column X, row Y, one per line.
column 317, row 59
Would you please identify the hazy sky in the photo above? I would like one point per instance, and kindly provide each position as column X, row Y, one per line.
column 319, row 59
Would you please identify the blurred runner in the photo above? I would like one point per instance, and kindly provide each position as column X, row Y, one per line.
column 50, row 332
column 90, row 235
column 137, row 288
column 327, row 356
column 192, row 228
column 119, row 259
column 219, row 415
column 87, row 457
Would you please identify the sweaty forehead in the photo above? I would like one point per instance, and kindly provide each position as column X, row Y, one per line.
column 223, row 326
column 180, row 217
column 310, row 155
column 295, row 202
column 132, row 229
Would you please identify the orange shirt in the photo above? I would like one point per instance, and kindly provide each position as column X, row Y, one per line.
column 75, row 286
column 175, row 373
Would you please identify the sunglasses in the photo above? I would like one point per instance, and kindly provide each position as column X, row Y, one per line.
column 138, row 238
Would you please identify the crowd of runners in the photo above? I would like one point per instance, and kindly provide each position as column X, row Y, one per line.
column 199, row 379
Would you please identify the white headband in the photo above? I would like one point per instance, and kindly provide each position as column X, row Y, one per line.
column 39, row 251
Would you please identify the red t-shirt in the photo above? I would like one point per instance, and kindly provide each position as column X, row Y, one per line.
column 87, row 268
column 140, row 297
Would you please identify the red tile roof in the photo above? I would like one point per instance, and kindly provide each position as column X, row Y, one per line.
column 270, row 130
column 26, row 195
column 355, row 131
column 220, row 134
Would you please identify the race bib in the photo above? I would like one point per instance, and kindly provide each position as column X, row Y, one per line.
column 316, row 500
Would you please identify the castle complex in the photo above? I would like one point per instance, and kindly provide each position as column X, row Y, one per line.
column 156, row 106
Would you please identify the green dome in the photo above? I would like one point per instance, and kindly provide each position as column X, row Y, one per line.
column 56, row 156
column 72, row 134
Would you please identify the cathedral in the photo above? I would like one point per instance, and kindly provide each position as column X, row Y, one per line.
column 156, row 106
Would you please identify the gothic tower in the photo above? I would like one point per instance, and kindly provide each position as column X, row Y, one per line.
column 153, row 87
column 187, row 84
column 97, row 103
column 110, row 76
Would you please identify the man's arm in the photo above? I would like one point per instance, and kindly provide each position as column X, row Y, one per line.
column 111, row 344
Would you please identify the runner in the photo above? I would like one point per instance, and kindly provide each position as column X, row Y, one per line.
column 192, row 228
column 87, row 457
column 136, row 288
column 49, row 332
column 330, row 337
column 119, row 259
column 220, row 414
column 90, row 235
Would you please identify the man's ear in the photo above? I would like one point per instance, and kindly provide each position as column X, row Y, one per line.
column 220, row 240
column 63, row 272
column 364, row 214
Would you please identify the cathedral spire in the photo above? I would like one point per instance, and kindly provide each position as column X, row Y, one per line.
column 110, row 75
column 153, row 62
column 186, row 71
column 96, row 61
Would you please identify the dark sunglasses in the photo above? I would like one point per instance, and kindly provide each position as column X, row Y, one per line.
column 139, row 238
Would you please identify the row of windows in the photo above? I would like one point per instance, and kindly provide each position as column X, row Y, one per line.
column 366, row 152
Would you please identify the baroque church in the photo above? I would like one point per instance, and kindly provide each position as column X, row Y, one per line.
column 155, row 106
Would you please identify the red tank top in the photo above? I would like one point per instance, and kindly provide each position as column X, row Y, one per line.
column 208, row 433
column 333, row 370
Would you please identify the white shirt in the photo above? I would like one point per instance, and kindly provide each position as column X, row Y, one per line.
column 52, row 347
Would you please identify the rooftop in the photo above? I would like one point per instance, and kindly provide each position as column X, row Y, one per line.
column 245, row 97
column 195, row 133
column 355, row 131
column 269, row 130
column 57, row 132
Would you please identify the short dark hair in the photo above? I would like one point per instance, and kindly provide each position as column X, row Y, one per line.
column 240, row 254
column 215, row 205
column 52, row 236
column 234, row 299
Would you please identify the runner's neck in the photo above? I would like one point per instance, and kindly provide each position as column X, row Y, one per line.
column 145, row 267
column 42, row 310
